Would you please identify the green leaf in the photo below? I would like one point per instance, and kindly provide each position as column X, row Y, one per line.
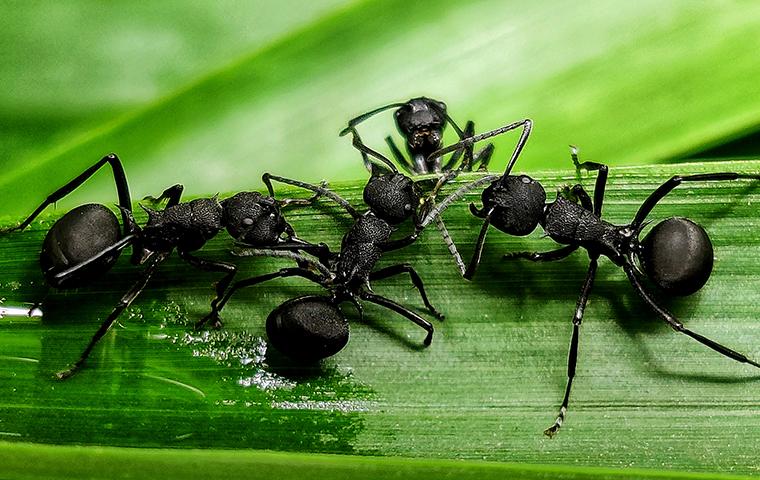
column 631, row 84
column 644, row 396
column 36, row 461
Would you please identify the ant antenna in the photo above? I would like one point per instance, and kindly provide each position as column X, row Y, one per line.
column 357, row 120
column 357, row 142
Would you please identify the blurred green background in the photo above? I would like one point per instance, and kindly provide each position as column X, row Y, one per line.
column 212, row 94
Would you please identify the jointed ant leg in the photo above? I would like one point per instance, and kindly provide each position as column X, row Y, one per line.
column 213, row 266
column 295, row 244
column 475, row 260
column 122, row 189
column 550, row 256
column 467, row 163
column 400, row 158
column 302, row 202
column 391, row 305
column 282, row 273
column 678, row 326
column 484, row 157
column 572, row 357
column 449, row 242
column 172, row 194
column 108, row 251
column 526, row 128
column 601, row 178
column 267, row 179
column 416, row 280
column 675, row 181
column 125, row 301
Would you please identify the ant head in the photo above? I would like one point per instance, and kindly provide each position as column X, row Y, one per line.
column 421, row 121
column 253, row 218
column 394, row 197
column 677, row 256
column 518, row 204
column 308, row 328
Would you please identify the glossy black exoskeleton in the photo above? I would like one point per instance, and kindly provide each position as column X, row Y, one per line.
column 676, row 255
column 86, row 242
column 293, row 327
column 421, row 121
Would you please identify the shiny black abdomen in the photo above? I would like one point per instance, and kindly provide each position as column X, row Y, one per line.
column 77, row 236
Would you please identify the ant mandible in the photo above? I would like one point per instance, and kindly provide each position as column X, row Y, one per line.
column 312, row 327
column 676, row 255
column 86, row 242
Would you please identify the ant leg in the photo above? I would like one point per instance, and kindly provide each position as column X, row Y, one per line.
column 212, row 266
column 391, row 305
column 416, row 280
column 475, row 260
column 125, row 301
column 459, row 193
column 526, row 125
column 450, row 244
column 550, row 256
column 282, row 273
column 577, row 194
column 675, row 181
column 122, row 189
column 572, row 357
column 484, row 157
column 111, row 249
column 295, row 244
column 267, row 179
column 400, row 158
column 365, row 150
column 601, row 178
column 302, row 202
column 400, row 243
column 469, row 130
column 172, row 194
column 678, row 326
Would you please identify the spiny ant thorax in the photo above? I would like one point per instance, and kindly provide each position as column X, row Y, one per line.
column 186, row 226
column 394, row 197
column 517, row 202
column 253, row 218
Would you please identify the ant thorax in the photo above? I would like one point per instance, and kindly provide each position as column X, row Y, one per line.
column 187, row 226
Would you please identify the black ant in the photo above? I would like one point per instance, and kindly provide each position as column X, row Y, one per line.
column 86, row 242
column 421, row 121
column 676, row 255
column 312, row 327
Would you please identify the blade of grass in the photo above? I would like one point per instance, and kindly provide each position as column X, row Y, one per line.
column 36, row 461
column 644, row 396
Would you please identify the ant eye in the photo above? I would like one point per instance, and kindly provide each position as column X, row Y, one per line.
column 248, row 221
column 407, row 207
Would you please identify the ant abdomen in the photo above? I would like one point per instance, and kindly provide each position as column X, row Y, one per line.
column 308, row 328
column 76, row 237
column 677, row 256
